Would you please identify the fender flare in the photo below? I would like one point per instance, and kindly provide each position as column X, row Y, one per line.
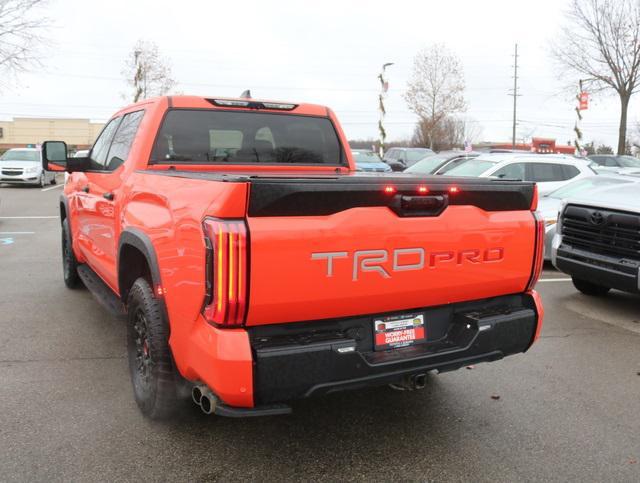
column 139, row 240
column 65, row 202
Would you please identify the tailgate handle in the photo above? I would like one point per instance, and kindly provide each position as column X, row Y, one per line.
column 431, row 205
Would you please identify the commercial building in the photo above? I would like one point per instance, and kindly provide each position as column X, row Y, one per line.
column 537, row 145
column 25, row 131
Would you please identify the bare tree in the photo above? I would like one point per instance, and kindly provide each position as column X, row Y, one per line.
column 472, row 130
column 601, row 41
column 450, row 133
column 20, row 34
column 147, row 71
column 436, row 89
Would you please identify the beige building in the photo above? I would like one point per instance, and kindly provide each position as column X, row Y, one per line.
column 22, row 131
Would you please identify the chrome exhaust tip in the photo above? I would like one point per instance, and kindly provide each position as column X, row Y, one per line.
column 196, row 394
column 208, row 403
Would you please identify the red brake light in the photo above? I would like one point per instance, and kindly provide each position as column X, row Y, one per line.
column 389, row 190
column 538, row 256
column 226, row 288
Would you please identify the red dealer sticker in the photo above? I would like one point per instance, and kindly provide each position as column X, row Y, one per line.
column 399, row 331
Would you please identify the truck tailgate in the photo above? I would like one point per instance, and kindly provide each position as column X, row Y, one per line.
column 326, row 249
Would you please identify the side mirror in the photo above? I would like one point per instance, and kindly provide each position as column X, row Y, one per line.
column 54, row 158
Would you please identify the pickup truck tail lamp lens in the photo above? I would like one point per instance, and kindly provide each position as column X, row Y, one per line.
column 226, row 282
column 538, row 256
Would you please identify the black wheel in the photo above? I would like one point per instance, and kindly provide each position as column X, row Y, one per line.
column 154, row 377
column 589, row 288
column 69, row 262
column 54, row 180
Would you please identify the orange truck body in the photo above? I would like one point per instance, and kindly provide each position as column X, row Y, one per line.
column 324, row 248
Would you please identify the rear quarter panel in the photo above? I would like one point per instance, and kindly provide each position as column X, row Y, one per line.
column 170, row 211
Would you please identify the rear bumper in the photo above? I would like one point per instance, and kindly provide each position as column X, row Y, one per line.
column 614, row 272
column 300, row 360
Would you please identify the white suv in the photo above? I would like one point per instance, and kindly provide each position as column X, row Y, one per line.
column 548, row 171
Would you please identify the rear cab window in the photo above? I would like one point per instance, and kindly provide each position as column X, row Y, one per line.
column 208, row 136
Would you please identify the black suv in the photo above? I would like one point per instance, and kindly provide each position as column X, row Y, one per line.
column 401, row 158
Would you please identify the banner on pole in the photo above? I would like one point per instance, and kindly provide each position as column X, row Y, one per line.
column 583, row 98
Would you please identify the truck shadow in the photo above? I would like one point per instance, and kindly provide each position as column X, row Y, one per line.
column 347, row 428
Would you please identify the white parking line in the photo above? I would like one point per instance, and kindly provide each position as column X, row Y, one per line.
column 17, row 232
column 554, row 280
column 28, row 217
column 59, row 185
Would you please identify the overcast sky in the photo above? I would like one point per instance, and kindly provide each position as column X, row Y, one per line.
column 323, row 52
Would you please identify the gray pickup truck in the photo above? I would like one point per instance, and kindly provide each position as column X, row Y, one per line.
column 598, row 243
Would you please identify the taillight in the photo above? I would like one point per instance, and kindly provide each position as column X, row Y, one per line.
column 226, row 282
column 538, row 256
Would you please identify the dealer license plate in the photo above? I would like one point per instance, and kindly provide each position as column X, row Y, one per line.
column 396, row 331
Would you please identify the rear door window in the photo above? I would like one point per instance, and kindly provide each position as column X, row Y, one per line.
column 544, row 172
column 224, row 137
column 511, row 171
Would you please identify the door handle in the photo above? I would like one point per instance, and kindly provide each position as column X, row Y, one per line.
column 86, row 189
column 108, row 196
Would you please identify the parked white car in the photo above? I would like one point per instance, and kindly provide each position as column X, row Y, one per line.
column 24, row 166
column 549, row 171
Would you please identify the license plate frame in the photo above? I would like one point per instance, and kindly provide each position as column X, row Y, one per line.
column 398, row 331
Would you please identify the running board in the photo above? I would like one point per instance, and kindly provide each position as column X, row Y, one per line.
column 101, row 291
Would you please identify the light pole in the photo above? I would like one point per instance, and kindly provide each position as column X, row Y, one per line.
column 384, row 87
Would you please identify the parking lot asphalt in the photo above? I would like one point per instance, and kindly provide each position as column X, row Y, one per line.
column 569, row 409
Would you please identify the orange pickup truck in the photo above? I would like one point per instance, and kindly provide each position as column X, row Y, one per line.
column 254, row 266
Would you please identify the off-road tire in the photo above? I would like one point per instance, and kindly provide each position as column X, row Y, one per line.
column 589, row 288
column 69, row 262
column 154, row 377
